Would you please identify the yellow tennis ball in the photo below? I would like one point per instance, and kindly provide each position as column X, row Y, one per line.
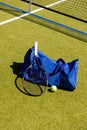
column 53, row 88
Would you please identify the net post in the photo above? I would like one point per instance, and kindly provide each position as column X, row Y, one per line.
column 30, row 6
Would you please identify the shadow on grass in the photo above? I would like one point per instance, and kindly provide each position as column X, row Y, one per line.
column 18, row 80
column 16, row 67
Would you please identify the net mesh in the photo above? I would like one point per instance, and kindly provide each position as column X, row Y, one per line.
column 72, row 8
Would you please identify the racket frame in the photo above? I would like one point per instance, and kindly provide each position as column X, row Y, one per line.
column 36, row 58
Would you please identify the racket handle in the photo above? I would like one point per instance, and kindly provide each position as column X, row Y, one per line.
column 36, row 48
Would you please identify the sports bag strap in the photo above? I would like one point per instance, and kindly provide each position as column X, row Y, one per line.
column 60, row 61
column 60, row 64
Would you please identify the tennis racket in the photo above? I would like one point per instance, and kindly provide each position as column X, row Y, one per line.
column 35, row 71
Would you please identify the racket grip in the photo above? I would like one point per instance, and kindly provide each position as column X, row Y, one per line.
column 36, row 48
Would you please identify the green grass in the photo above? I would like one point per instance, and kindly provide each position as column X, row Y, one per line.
column 61, row 110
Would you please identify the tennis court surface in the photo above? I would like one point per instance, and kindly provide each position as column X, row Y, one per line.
column 61, row 33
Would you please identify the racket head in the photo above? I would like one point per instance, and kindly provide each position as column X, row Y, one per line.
column 37, row 83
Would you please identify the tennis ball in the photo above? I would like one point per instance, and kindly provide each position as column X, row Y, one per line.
column 53, row 88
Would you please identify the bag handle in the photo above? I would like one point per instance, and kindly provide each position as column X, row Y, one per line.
column 60, row 61
column 60, row 64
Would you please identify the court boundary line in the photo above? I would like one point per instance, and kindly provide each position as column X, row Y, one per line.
column 27, row 13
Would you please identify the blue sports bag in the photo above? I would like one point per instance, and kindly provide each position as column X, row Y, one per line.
column 63, row 75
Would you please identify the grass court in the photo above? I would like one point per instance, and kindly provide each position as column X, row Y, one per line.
column 61, row 110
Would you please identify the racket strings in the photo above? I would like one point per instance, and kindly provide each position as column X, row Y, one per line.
column 37, row 75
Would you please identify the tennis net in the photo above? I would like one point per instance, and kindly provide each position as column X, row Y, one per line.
column 76, row 9
column 45, row 22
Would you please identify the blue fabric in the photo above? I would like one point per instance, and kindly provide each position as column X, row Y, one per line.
column 63, row 75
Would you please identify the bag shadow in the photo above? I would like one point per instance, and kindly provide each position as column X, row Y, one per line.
column 16, row 69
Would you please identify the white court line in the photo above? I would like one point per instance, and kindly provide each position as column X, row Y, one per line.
column 34, row 11
column 55, row 3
